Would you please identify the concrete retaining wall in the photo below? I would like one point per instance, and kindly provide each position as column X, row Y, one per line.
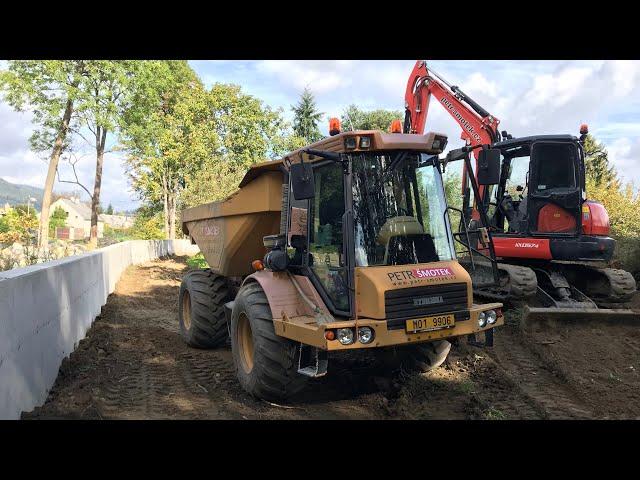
column 46, row 309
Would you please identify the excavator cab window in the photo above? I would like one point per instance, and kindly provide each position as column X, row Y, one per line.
column 555, row 166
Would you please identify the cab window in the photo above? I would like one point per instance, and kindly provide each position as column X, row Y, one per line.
column 325, row 234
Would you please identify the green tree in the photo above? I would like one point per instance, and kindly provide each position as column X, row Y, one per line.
column 306, row 118
column 109, row 210
column 248, row 132
column 354, row 117
column 193, row 145
column 597, row 165
column 48, row 89
column 145, row 128
column 21, row 225
column 147, row 224
column 58, row 219
column 105, row 89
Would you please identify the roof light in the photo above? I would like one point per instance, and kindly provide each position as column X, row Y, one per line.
column 439, row 143
column 584, row 129
column 334, row 126
column 350, row 143
column 365, row 142
column 396, row 127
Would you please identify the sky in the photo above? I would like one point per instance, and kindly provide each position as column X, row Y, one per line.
column 529, row 97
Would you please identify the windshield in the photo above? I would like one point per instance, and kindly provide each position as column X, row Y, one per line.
column 398, row 208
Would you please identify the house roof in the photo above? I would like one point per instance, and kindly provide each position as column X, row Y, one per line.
column 82, row 210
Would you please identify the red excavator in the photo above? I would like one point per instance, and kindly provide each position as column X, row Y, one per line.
column 552, row 243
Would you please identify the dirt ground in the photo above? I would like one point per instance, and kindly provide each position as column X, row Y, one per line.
column 133, row 364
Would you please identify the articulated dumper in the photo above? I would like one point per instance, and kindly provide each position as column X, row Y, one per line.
column 342, row 245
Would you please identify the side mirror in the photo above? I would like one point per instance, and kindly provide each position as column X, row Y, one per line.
column 302, row 181
column 489, row 167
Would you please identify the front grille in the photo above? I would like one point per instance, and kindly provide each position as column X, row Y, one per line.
column 399, row 304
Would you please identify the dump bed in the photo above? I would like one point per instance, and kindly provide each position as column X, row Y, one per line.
column 229, row 233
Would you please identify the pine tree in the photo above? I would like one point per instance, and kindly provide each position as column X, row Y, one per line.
column 597, row 165
column 305, row 123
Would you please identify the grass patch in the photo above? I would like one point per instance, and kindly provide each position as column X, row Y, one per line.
column 197, row 261
column 467, row 387
column 493, row 414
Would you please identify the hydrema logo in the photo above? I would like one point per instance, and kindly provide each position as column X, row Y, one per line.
column 427, row 300
column 527, row 245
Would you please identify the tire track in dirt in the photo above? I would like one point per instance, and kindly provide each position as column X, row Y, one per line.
column 549, row 394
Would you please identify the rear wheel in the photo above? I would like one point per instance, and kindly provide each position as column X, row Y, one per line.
column 201, row 309
column 266, row 364
column 420, row 357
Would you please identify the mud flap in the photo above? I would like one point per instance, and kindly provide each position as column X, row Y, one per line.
column 312, row 362
column 606, row 314
column 488, row 339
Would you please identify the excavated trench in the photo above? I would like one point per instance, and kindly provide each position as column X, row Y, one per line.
column 133, row 364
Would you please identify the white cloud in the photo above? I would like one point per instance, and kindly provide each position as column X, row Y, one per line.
column 319, row 76
column 624, row 153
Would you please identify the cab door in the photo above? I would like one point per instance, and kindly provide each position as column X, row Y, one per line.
column 554, row 190
column 327, row 261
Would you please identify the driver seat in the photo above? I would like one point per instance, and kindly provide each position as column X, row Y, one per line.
column 400, row 226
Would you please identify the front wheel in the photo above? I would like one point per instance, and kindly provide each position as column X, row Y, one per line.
column 421, row 357
column 266, row 364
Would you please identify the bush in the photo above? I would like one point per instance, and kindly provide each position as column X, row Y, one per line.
column 117, row 234
column 197, row 261
column 147, row 226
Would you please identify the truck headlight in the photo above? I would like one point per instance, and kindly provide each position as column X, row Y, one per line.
column 482, row 320
column 491, row 317
column 345, row 336
column 365, row 335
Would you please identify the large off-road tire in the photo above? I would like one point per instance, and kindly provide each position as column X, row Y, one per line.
column 201, row 309
column 420, row 357
column 266, row 364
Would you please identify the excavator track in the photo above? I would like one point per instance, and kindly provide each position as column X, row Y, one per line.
column 589, row 291
column 516, row 283
column 607, row 287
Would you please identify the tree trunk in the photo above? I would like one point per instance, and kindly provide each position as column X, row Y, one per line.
column 165, row 204
column 43, row 233
column 172, row 215
column 101, row 137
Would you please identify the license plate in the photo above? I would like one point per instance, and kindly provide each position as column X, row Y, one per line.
column 430, row 323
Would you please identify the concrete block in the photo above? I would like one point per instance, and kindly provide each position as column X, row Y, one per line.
column 46, row 309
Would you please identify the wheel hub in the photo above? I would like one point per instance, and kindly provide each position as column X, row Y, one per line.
column 245, row 343
column 186, row 309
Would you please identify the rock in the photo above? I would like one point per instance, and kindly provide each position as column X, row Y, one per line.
column 17, row 249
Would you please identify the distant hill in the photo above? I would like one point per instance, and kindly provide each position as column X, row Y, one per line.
column 16, row 194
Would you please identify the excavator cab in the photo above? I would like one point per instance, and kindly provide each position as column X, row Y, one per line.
column 550, row 201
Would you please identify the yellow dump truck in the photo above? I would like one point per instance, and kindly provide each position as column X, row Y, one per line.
column 342, row 245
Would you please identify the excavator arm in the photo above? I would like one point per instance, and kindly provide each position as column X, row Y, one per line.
column 478, row 126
